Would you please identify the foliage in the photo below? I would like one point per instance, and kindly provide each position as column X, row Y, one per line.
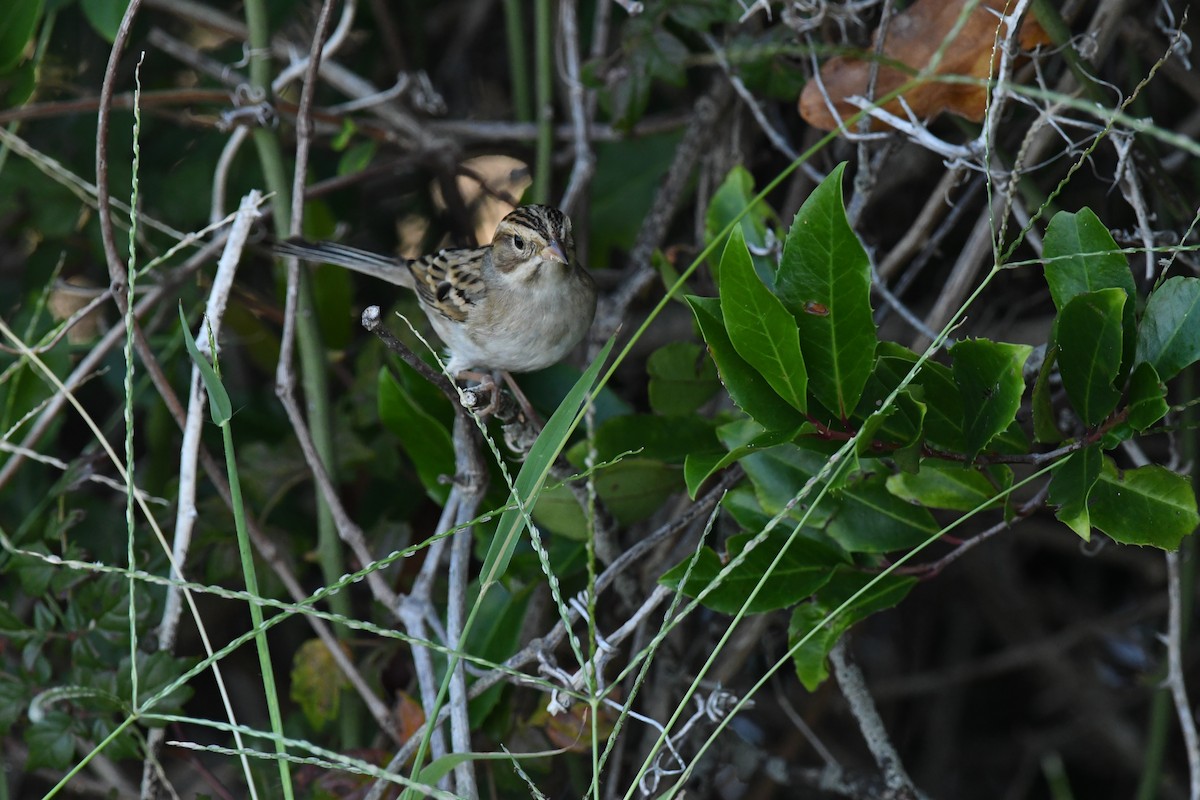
column 787, row 431
column 862, row 500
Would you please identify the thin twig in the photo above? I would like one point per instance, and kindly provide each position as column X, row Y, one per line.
column 470, row 482
column 1175, row 678
column 186, row 514
column 862, row 706
column 585, row 160
column 530, row 653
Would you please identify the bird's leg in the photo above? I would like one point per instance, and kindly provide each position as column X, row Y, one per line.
column 526, row 406
column 488, row 384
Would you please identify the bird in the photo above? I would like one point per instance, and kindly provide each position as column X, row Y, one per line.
column 518, row 304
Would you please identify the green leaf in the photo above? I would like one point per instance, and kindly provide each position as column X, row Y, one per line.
column 1147, row 506
column 423, row 437
column 871, row 519
column 219, row 406
column 749, row 390
column 824, row 279
column 495, row 636
column 809, row 657
column 1088, row 336
column 356, row 158
column 943, row 417
column 777, row 473
column 1147, row 397
column 682, row 378
column 105, row 16
column 743, row 506
column 760, row 328
column 1169, row 337
column 51, row 742
column 635, row 488
column 532, row 476
column 939, row 484
column 17, row 24
column 1072, row 485
column 333, row 296
column 628, row 173
column 317, row 683
column 19, row 84
column 903, row 425
column 1080, row 257
column 668, row 439
column 730, row 199
column 1045, row 427
column 699, row 467
column 14, row 701
column 806, row 566
column 990, row 382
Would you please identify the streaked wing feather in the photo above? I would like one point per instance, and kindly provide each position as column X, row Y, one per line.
column 450, row 281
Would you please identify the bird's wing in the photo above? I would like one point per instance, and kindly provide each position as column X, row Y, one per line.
column 450, row 281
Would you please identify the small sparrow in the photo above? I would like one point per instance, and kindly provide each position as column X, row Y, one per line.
column 517, row 305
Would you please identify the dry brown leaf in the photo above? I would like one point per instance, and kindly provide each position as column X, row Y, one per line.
column 913, row 37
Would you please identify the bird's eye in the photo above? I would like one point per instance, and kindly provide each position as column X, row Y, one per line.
column 518, row 242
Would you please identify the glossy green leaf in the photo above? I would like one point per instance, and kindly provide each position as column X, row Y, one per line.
column 1071, row 487
column 807, row 565
column 779, row 473
column 1081, row 256
column 731, row 197
column 810, row 657
column 17, row 24
column 904, row 426
column 943, row 417
column 1169, row 336
column 1147, row 506
column 1088, row 336
column 990, row 382
column 682, row 378
column 760, row 328
column 870, row 519
column 824, row 279
column 699, row 467
column 742, row 504
column 532, row 476
column 1147, row 397
column 871, row 428
column 941, row 484
column 423, row 438
column 1045, row 425
column 749, row 390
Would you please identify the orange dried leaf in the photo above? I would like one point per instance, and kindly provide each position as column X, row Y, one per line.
column 409, row 716
column 913, row 37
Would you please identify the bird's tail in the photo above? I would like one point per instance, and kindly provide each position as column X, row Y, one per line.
column 385, row 268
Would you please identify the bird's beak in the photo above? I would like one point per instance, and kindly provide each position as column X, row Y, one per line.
column 554, row 252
